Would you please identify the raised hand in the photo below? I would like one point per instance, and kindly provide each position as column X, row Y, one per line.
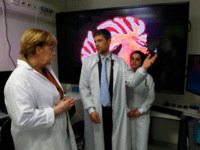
column 149, row 62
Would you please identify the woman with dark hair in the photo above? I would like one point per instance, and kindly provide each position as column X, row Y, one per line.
column 139, row 101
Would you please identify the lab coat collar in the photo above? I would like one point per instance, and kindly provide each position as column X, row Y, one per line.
column 96, row 58
column 27, row 66
column 115, row 67
column 108, row 56
column 24, row 64
column 114, row 58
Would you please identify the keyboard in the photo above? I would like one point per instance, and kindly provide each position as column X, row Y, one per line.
column 166, row 110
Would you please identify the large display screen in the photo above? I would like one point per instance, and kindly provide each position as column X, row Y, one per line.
column 158, row 28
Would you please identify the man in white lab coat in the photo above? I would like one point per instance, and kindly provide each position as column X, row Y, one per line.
column 106, row 130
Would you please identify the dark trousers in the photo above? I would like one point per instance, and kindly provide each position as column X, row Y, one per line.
column 107, row 127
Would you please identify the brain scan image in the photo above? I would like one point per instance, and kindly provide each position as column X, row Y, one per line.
column 127, row 35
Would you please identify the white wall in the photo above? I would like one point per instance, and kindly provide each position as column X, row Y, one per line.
column 192, row 48
column 62, row 4
column 17, row 24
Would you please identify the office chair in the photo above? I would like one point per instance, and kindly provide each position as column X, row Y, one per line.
column 6, row 137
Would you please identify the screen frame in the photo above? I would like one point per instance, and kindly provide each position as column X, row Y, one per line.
column 187, row 76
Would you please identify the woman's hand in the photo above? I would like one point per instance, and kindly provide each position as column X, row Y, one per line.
column 131, row 113
column 149, row 62
column 134, row 113
column 64, row 105
column 70, row 102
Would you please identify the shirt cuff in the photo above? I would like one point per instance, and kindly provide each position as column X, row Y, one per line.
column 50, row 117
column 90, row 110
column 142, row 70
column 141, row 110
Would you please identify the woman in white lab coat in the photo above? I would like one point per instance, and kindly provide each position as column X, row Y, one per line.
column 139, row 101
column 35, row 100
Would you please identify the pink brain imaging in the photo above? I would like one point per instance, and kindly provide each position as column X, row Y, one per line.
column 128, row 34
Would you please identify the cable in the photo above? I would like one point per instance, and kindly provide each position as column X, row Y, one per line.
column 6, row 29
column 3, row 9
column 187, row 71
column 190, row 26
column 36, row 14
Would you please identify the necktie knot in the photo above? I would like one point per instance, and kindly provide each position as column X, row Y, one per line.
column 104, row 60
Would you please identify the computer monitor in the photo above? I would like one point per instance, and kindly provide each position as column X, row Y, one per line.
column 193, row 74
column 4, row 75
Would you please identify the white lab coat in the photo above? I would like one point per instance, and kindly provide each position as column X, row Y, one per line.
column 140, row 97
column 90, row 94
column 29, row 99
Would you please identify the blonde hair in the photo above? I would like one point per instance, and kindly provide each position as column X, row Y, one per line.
column 33, row 38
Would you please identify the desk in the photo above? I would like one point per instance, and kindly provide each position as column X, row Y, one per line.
column 76, row 96
column 79, row 113
column 163, row 115
column 185, row 127
column 186, row 112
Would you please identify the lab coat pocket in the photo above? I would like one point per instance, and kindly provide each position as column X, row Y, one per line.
column 58, row 142
column 143, row 120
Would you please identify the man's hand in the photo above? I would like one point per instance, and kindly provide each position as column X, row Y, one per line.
column 149, row 62
column 95, row 117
